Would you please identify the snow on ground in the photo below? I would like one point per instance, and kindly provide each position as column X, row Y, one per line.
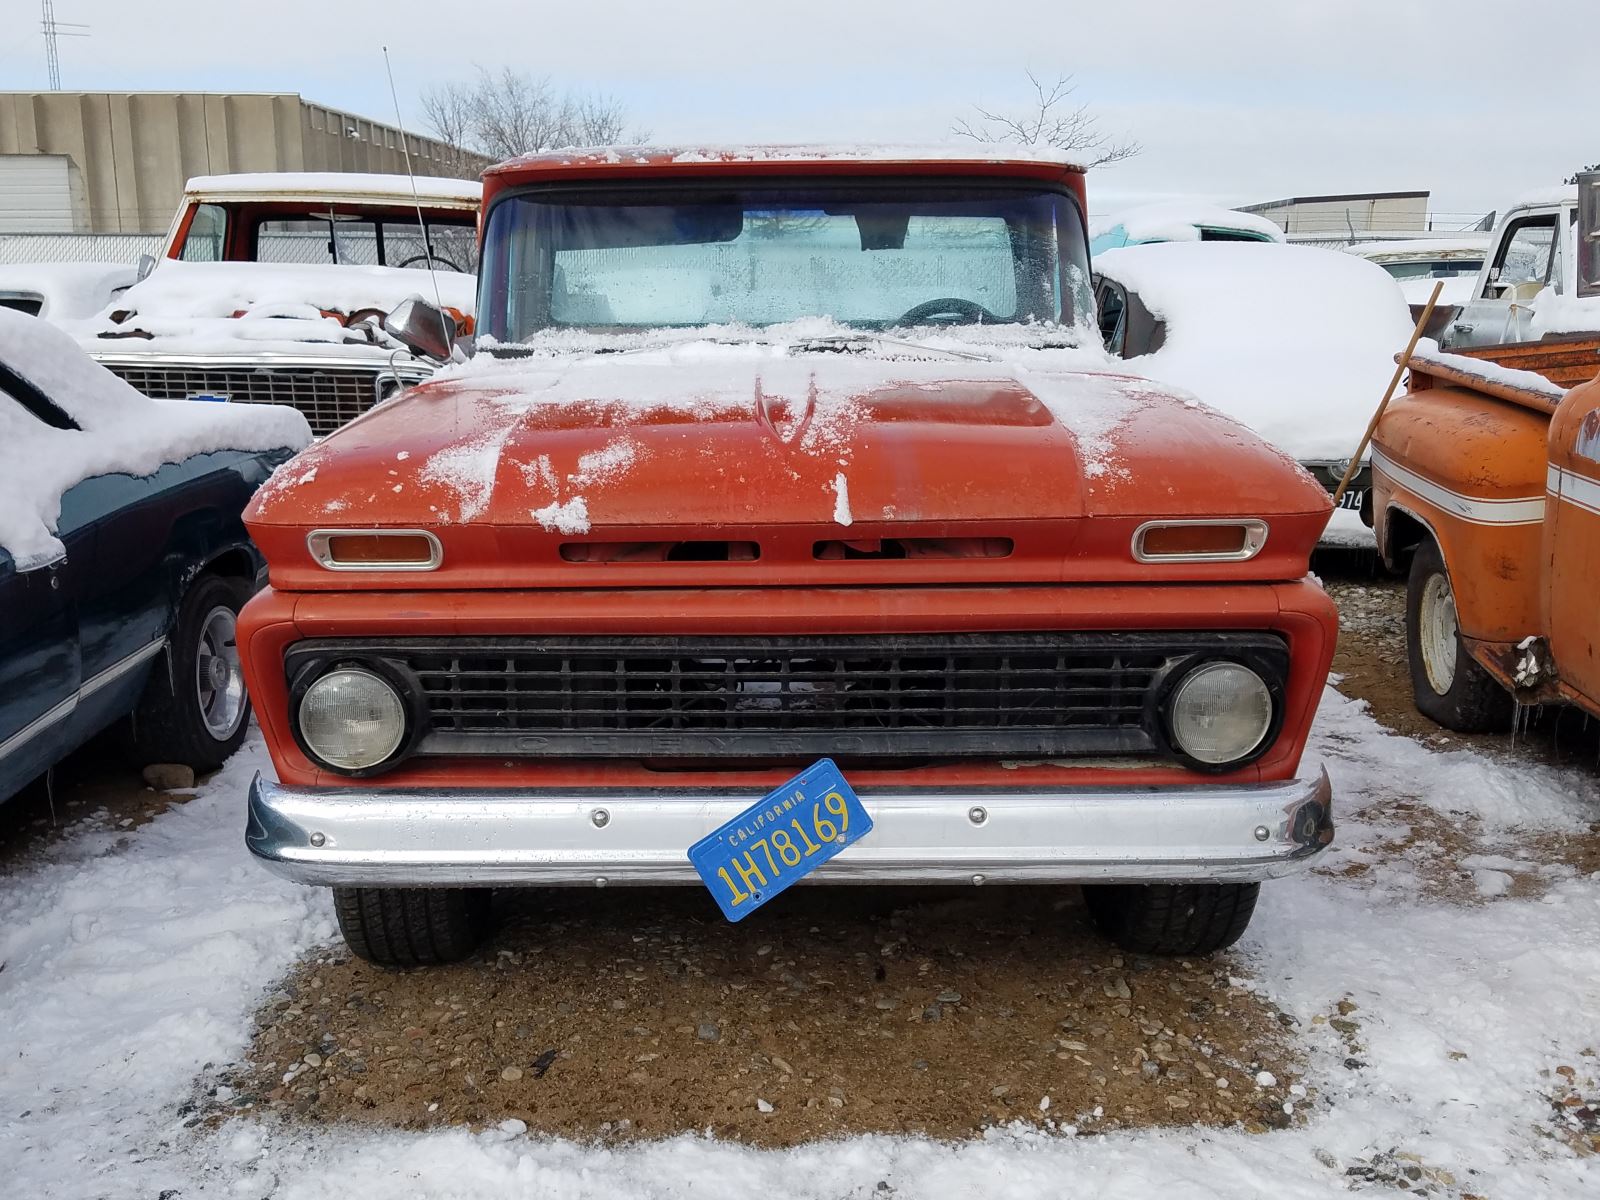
column 130, row 965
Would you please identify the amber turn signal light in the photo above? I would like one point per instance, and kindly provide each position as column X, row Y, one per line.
column 375, row 549
column 1199, row 541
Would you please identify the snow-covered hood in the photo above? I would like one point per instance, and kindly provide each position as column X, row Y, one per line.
column 120, row 431
column 706, row 439
column 1297, row 342
column 198, row 308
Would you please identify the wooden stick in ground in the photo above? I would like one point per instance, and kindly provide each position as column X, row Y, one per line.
column 1399, row 370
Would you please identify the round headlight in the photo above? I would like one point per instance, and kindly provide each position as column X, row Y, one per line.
column 1220, row 712
column 352, row 719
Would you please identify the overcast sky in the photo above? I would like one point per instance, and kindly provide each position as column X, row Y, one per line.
column 1233, row 100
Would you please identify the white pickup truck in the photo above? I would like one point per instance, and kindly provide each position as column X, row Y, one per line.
column 272, row 288
column 1529, row 282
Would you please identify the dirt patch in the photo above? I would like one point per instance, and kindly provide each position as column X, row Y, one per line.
column 643, row 1014
column 1574, row 1095
column 95, row 786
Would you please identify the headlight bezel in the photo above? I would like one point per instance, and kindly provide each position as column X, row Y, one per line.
column 1272, row 676
column 395, row 674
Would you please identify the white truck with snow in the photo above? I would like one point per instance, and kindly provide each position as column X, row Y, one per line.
column 1528, row 286
column 272, row 289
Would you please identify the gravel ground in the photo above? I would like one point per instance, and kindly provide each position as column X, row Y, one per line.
column 642, row 1013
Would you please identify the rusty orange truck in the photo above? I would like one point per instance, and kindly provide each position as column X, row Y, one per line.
column 1486, row 477
column 767, row 456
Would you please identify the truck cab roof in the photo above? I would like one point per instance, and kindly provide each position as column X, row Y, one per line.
column 339, row 186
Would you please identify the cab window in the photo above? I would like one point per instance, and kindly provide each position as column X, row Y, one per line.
column 206, row 238
column 1525, row 257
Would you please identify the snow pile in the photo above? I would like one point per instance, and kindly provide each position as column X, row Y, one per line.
column 1174, row 221
column 1296, row 342
column 221, row 307
column 1427, row 354
column 186, row 290
column 132, row 962
column 1554, row 313
column 70, row 291
column 120, row 431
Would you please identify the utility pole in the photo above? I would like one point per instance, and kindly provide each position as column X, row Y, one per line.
column 54, row 29
column 52, row 56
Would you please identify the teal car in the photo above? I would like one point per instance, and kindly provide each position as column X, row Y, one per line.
column 122, row 605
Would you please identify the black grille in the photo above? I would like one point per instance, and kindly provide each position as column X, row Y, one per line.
column 951, row 695
column 329, row 397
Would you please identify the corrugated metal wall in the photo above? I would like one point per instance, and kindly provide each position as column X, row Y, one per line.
column 134, row 150
column 36, row 194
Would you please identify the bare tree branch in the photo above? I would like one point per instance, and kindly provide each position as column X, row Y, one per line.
column 1051, row 119
column 507, row 113
column 448, row 112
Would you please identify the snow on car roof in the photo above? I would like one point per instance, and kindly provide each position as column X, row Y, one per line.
column 120, row 431
column 322, row 184
column 968, row 151
column 1297, row 342
column 69, row 290
column 1536, row 197
column 1181, row 221
column 1422, row 248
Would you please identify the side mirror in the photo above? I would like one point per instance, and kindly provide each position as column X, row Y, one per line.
column 147, row 263
column 1589, row 234
column 421, row 328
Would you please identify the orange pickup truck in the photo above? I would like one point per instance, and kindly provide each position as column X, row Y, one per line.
column 767, row 456
column 1487, row 481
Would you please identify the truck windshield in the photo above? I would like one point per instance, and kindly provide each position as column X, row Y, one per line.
column 873, row 257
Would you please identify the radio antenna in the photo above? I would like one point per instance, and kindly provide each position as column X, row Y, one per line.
column 416, row 200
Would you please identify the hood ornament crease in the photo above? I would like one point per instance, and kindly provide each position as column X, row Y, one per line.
column 768, row 422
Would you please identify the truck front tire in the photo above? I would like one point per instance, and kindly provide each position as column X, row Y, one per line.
column 412, row 927
column 1187, row 919
column 1448, row 685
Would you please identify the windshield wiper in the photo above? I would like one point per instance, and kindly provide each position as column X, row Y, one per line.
column 853, row 343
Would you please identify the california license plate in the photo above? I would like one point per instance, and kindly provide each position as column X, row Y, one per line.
column 780, row 839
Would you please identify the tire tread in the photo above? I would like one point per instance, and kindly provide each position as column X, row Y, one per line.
column 1172, row 918
column 412, row 927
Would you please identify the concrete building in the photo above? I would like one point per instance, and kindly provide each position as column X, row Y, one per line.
column 116, row 162
column 1348, row 218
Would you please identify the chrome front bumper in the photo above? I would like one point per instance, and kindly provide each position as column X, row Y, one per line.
column 355, row 837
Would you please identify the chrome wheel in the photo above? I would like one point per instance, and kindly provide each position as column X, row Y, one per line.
column 1437, row 633
column 219, row 685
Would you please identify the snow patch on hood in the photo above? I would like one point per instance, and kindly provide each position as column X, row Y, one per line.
column 191, row 307
column 569, row 517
